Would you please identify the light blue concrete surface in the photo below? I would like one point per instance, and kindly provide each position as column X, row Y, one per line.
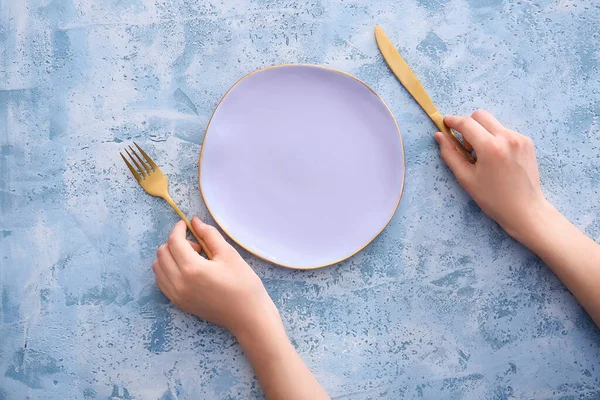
column 442, row 305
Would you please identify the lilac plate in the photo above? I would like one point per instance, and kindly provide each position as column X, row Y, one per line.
column 302, row 165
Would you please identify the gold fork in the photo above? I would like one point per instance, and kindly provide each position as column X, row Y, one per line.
column 153, row 181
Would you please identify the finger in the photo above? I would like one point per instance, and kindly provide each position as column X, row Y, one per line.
column 195, row 246
column 164, row 289
column 470, row 129
column 167, row 263
column 215, row 242
column 180, row 247
column 162, row 281
column 457, row 163
column 488, row 121
column 468, row 146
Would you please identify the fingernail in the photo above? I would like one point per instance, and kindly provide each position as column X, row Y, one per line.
column 196, row 219
column 436, row 136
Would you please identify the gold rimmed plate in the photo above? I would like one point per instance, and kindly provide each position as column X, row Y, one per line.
column 302, row 165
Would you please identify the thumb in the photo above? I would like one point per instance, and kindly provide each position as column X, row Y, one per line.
column 215, row 242
column 459, row 166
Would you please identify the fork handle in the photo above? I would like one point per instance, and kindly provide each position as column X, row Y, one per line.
column 189, row 225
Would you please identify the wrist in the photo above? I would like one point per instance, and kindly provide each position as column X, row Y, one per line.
column 264, row 328
column 540, row 219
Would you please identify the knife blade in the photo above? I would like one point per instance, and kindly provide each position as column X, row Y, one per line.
column 410, row 81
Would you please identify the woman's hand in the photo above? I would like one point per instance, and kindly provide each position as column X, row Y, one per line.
column 224, row 290
column 504, row 181
column 227, row 292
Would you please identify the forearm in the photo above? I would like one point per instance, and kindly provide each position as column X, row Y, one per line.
column 280, row 370
column 572, row 256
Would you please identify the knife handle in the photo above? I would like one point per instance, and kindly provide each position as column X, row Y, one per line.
column 438, row 120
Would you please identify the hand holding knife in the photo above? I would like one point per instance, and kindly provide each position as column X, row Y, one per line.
column 410, row 81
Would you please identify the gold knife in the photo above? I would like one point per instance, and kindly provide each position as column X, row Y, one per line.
column 410, row 81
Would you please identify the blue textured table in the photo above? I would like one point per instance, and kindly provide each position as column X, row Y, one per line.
column 443, row 304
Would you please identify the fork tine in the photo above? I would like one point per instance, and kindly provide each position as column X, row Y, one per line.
column 147, row 157
column 140, row 159
column 133, row 171
column 136, row 164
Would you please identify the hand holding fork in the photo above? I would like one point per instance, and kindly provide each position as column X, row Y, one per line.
column 154, row 182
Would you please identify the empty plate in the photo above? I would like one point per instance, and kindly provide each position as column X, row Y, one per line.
column 302, row 165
